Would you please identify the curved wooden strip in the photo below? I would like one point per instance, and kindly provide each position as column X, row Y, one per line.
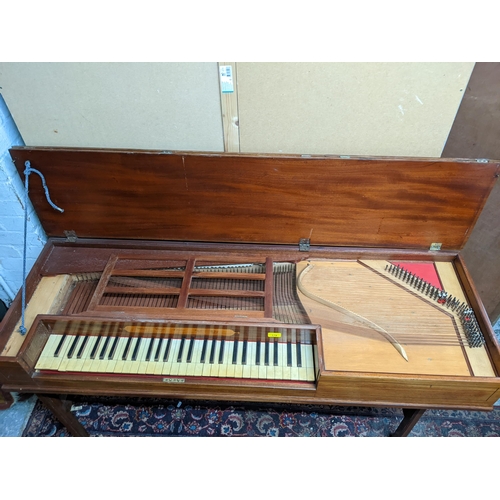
column 343, row 310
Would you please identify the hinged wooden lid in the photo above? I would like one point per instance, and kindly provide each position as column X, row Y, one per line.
column 332, row 201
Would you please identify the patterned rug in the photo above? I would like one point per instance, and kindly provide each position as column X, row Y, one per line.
column 140, row 417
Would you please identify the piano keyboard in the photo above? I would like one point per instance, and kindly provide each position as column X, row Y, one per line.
column 268, row 359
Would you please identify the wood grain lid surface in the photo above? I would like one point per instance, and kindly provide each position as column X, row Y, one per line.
column 333, row 201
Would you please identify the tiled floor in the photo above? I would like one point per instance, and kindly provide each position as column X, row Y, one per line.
column 13, row 420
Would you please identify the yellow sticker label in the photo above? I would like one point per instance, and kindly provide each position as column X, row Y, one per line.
column 275, row 335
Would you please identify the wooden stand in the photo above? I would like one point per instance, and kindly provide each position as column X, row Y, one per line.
column 60, row 407
column 411, row 417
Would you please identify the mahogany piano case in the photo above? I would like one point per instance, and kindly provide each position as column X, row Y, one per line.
column 254, row 278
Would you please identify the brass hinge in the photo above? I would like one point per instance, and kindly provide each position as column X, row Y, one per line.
column 70, row 236
column 304, row 244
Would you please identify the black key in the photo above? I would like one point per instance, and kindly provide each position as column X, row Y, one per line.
column 244, row 353
column 212, row 352
column 288, row 354
column 127, row 349
column 204, row 351
column 181, row 348
column 221, row 352
column 235, row 352
column 299, row 355
column 167, row 350
column 136, row 349
column 94, row 349
column 190, row 351
column 82, row 347
column 59, row 346
column 73, row 347
column 158, row 350
column 257, row 353
column 275, row 358
column 111, row 354
column 266, row 353
column 150, row 349
column 104, row 347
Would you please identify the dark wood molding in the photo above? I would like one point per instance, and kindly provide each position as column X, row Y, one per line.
column 475, row 131
column 6, row 400
column 475, row 134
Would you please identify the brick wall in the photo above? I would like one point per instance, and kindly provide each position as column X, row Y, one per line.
column 12, row 215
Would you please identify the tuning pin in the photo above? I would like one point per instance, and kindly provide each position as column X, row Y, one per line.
column 442, row 296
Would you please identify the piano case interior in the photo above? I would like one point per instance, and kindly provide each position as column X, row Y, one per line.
column 254, row 278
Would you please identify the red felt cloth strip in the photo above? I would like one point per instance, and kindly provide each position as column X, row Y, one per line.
column 425, row 270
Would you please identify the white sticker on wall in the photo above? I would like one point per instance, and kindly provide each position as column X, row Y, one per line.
column 226, row 79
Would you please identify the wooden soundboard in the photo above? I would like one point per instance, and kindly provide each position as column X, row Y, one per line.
column 431, row 334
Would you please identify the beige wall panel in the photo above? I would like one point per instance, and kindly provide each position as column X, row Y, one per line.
column 394, row 109
column 115, row 105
